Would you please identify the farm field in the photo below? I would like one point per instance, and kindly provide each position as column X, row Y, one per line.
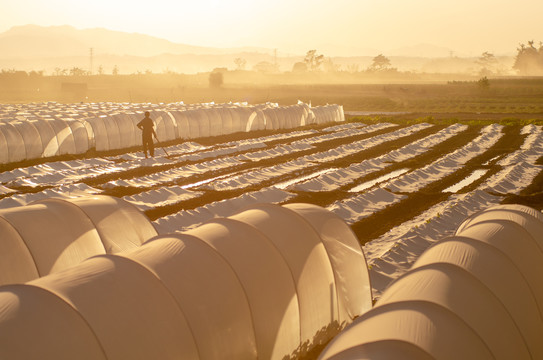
column 502, row 97
column 401, row 180
column 221, row 187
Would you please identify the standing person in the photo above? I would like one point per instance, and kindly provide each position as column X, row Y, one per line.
column 147, row 128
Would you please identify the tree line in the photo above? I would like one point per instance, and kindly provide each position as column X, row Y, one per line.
column 528, row 62
column 529, row 59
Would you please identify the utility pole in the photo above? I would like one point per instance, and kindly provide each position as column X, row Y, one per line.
column 91, row 60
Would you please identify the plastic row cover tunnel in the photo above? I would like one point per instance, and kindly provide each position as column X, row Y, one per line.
column 268, row 283
column 51, row 235
column 34, row 139
column 475, row 295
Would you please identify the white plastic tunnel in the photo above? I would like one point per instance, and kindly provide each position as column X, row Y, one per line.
column 472, row 301
column 328, row 113
column 480, row 288
column 503, row 279
column 116, row 131
column 39, row 137
column 47, row 138
column 237, row 122
column 271, row 118
column 128, row 133
column 30, row 138
column 530, row 219
column 518, row 244
column 256, row 121
column 123, row 312
column 50, row 235
column 225, row 114
column 32, row 318
column 65, row 137
column 181, row 124
column 428, row 327
column 34, row 139
column 309, row 295
column 193, row 119
column 266, row 283
column 165, row 125
column 215, row 122
column 516, row 231
column 14, row 144
column 293, row 116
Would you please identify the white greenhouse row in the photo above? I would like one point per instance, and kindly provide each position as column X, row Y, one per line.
column 25, row 137
column 194, row 295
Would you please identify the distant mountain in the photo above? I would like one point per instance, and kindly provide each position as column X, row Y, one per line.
column 53, row 48
column 32, row 41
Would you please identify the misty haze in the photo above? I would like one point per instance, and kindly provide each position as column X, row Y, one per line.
column 276, row 180
column 48, row 49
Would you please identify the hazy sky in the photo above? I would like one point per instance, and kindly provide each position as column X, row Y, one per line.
column 333, row 27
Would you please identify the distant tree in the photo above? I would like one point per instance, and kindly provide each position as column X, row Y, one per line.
column 266, row 67
column 299, row 67
column 353, row 68
column 379, row 63
column 35, row 73
column 13, row 74
column 488, row 63
column 313, row 61
column 115, row 70
column 240, row 63
column 216, row 78
column 529, row 59
column 60, row 72
column 483, row 83
column 76, row 71
column 329, row 65
column 100, row 70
